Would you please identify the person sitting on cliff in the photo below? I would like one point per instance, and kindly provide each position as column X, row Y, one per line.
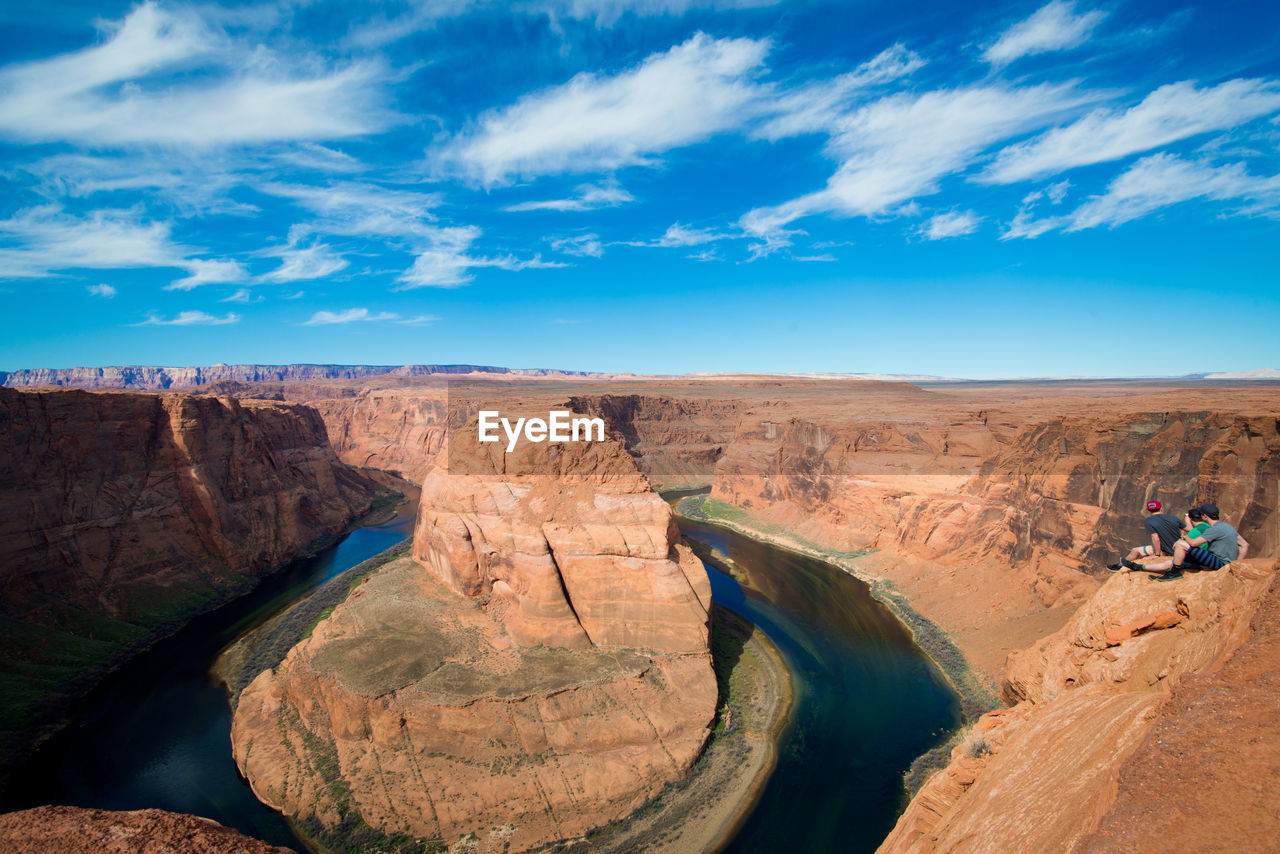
column 1217, row 546
column 1164, row 529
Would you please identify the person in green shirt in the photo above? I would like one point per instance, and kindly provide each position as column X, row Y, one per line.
column 1194, row 523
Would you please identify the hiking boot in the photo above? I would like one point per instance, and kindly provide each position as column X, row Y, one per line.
column 1171, row 575
column 1128, row 564
column 1113, row 567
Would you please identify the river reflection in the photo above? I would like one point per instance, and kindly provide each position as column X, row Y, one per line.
column 157, row 733
column 868, row 701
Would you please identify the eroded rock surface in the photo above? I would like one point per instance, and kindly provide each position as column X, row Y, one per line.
column 541, row 669
column 121, row 512
column 73, row 830
column 1041, row 776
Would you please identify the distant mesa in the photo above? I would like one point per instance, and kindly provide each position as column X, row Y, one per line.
column 146, row 378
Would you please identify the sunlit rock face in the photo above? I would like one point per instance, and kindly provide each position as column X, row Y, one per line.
column 540, row 666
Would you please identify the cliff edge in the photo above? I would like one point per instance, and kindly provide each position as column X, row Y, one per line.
column 1082, row 762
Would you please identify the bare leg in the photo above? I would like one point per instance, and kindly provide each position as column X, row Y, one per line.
column 1179, row 554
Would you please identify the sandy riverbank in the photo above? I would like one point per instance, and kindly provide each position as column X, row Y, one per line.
column 704, row 811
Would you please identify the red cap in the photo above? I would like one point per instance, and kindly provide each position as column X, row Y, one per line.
column 1154, row 506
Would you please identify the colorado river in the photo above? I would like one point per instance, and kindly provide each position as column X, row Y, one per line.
column 157, row 732
column 867, row 700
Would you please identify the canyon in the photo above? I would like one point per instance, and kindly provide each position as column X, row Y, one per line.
column 540, row 666
column 984, row 510
column 121, row 515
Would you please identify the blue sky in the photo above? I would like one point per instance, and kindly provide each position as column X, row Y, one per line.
column 980, row 190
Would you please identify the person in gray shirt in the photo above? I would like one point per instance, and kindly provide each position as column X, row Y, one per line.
column 1216, row 547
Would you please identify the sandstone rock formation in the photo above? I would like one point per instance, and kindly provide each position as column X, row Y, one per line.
column 120, row 512
column 541, row 669
column 396, row 430
column 73, row 830
column 1041, row 775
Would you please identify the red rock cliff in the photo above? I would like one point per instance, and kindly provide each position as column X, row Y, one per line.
column 120, row 512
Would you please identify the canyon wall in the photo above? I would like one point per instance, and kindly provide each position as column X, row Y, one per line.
column 540, row 667
column 1095, row 704
column 120, row 512
column 396, row 430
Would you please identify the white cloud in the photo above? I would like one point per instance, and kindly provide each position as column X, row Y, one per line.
column 102, row 291
column 898, row 148
column 604, row 13
column 950, row 224
column 115, row 93
column 418, row 320
column 304, row 263
column 204, row 272
column 242, row 296
column 589, row 197
column 678, row 235
column 189, row 318
column 685, row 95
column 51, row 240
column 1057, row 192
column 447, row 264
column 1172, row 112
column 582, row 245
column 1162, row 179
column 1156, row 182
column 1054, row 27
column 360, row 209
column 350, row 315
column 817, row 106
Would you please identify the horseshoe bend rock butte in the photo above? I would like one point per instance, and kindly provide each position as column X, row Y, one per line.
column 539, row 668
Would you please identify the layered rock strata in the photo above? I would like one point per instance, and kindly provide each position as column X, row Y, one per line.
column 539, row 669
column 120, row 513
column 1040, row 776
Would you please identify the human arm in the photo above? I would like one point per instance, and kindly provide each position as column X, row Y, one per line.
column 1243, row 546
column 1155, row 545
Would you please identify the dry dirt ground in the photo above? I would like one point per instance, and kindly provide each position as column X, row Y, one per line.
column 1209, row 770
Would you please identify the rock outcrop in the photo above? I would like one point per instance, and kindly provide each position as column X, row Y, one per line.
column 540, row 669
column 1040, row 776
column 73, row 830
column 122, row 512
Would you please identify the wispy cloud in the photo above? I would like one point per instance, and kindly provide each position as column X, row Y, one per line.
column 818, row 106
column 950, row 224
column 104, row 290
column 1170, row 113
column 350, row 315
column 589, row 197
column 447, row 262
column 108, row 95
column 418, row 320
column 189, row 318
column 676, row 98
column 51, row 240
column 305, row 263
column 581, row 245
column 678, row 235
column 242, row 296
column 1157, row 182
column 1054, row 27
column 892, row 151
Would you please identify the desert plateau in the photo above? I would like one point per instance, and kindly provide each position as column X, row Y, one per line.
column 639, row 427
